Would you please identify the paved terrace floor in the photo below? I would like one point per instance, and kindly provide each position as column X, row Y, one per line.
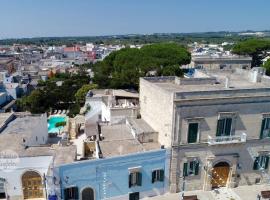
column 239, row 193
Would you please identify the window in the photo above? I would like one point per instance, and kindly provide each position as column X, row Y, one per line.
column 158, row 175
column 71, row 193
column 265, row 129
column 224, row 127
column 2, row 189
column 191, row 168
column 193, row 132
column 134, row 196
column 135, row 179
column 261, row 162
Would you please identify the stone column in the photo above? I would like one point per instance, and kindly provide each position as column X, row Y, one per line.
column 174, row 171
column 208, row 174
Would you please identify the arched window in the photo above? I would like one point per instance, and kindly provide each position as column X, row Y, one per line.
column 88, row 194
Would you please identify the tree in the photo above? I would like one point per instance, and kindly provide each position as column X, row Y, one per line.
column 81, row 93
column 49, row 95
column 122, row 69
column 60, row 125
column 267, row 67
column 253, row 47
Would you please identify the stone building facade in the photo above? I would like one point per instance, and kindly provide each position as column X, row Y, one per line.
column 217, row 124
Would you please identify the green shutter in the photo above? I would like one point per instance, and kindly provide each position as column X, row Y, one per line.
column 228, row 126
column 220, row 125
column 76, row 193
column 262, row 128
column 266, row 162
column 185, row 169
column 161, row 175
column 197, row 166
column 193, row 132
column 256, row 164
column 139, row 180
column 129, row 180
column 153, row 176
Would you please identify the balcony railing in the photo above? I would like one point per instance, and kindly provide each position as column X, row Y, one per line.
column 232, row 139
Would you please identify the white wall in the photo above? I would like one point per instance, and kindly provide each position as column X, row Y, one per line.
column 13, row 184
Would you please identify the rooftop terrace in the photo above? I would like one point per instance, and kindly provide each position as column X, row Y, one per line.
column 215, row 81
column 118, row 140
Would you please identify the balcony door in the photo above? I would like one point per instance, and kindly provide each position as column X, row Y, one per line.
column 224, row 127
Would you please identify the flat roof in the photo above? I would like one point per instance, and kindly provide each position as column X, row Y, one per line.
column 118, row 140
column 210, row 81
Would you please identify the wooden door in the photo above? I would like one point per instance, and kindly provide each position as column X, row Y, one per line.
column 220, row 176
column 32, row 185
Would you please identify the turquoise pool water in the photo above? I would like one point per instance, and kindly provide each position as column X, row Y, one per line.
column 52, row 121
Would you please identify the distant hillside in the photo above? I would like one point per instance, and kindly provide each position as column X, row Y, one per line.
column 183, row 38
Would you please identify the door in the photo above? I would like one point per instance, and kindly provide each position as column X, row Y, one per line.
column 220, row 174
column 134, row 196
column 32, row 185
column 88, row 194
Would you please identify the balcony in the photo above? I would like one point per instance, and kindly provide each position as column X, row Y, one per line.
column 232, row 139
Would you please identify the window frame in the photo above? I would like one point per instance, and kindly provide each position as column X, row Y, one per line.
column 263, row 160
column 265, row 127
column 135, row 178
column 194, row 171
column 198, row 131
column 157, row 175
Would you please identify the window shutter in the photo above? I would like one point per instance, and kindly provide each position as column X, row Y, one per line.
column 197, row 166
column 185, row 169
column 139, row 180
column 153, row 176
column 262, row 128
column 220, row 125
column 161, row 175
column 192, row 132
column 76, row 193
column 266, row 162
column 66, row 194
column 228, row 126
column 256, row 164
column 129, row 180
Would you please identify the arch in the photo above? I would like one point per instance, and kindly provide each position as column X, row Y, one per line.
column 222, row 164
column 88, row 193
column 220, row 174
column 32, row 185
column 225, row 161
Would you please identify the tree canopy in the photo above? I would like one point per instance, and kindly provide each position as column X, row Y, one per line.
column 253, row 47
column 81, row 93
column 267, row 67
column 56, row 93
column 122, row 69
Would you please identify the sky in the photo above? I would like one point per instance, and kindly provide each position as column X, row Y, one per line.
column 42, row 18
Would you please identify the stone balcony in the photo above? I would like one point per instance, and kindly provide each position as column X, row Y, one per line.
column 232, row 139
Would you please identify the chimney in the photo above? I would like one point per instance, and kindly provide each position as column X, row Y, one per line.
column 227, row 82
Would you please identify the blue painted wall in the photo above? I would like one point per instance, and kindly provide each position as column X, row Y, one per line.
column 109, row 177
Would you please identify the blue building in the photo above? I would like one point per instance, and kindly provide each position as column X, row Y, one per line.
column 132, row 176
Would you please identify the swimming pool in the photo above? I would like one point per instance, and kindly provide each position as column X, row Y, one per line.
column 52, row 121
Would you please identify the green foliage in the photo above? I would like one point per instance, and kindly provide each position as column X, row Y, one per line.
column 74, row 110
column 60, row 124
column 122, row 69
column 50, row 96
column 267, row 67
column 81, row 93
column 254, row 48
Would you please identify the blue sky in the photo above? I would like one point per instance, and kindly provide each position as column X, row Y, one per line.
column 33, row 18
